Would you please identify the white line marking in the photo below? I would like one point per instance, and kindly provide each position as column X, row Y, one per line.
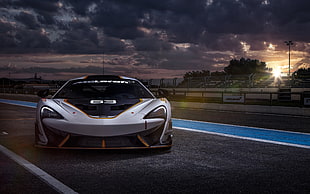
column 276, row 115
column 245, row 138
column 51, row 181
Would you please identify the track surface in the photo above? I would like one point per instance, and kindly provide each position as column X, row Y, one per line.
column 198, row 162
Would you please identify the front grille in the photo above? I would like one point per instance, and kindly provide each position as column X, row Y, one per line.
column 107, row 142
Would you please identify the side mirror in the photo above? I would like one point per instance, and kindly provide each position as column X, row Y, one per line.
column 162, row 93
column 43, row 93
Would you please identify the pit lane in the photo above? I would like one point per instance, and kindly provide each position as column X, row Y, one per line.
column 198, row 162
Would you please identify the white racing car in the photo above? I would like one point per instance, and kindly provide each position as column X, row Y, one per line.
column 101, row 111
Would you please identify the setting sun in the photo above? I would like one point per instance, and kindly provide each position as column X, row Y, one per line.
column 276, row 72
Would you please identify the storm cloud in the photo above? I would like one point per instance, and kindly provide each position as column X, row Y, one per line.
column 206, row 22
column 163, row 33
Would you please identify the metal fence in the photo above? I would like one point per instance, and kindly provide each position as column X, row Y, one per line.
column 228, row 81
column 283, row 97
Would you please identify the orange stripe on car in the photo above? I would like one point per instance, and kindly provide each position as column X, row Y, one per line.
column 143, row 141
column 64, row 141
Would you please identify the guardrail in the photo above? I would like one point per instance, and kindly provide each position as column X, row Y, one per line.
column 24, row 90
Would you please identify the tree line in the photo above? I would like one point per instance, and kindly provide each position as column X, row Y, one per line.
column 302, row 73
column 235, row 67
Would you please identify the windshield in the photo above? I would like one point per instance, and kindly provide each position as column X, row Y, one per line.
column 103, row 89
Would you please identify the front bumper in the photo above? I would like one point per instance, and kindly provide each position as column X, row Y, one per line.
column 150, row 138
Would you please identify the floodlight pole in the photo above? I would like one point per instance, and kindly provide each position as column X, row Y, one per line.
column 103, row 62
column 289, row 43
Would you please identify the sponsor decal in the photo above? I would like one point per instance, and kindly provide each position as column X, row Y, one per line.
column 239, row 99
column 306, row 101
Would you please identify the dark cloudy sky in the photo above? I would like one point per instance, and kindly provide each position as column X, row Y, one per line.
column 60, row 39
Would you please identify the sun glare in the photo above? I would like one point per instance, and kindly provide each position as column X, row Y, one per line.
column 276, row 73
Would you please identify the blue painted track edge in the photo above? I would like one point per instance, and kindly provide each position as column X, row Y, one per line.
column 223, row 124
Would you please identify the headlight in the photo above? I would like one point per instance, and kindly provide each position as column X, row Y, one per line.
column 159, row 112
column 47, row 112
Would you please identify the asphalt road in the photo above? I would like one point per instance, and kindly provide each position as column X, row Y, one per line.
column 197, row 163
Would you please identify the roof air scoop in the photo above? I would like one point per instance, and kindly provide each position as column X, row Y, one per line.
column 109, row 101
column 103, row 102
